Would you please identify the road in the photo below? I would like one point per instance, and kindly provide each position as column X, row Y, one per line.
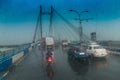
column 33, row 67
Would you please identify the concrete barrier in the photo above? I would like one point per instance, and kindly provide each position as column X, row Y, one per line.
column 26, row 50
column 16, row 57
column 11, row 58
column 30, row 49
column 7, row 60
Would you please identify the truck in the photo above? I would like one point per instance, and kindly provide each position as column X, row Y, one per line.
column 47, row 42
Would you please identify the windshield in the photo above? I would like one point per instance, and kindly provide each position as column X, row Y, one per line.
column 59, row 39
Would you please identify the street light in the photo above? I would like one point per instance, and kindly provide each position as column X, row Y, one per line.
column 78, row 13
column 80, row 21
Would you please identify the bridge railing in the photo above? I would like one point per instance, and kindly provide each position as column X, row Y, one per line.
column 13, row 57
column 113, row 50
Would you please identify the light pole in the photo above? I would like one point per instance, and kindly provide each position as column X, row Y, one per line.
column 80, row 21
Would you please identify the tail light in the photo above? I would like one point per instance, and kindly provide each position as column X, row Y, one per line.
column 75, row 51
column 50, row 59
column 96, row 52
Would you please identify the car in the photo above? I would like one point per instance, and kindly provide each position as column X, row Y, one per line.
column 97, row 51
column 78, row 53
column 39, row 45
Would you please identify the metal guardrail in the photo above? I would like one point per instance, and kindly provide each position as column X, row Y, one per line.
column 115, row 53
column 113, row 50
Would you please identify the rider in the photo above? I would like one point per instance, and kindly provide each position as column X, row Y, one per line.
column 49, row 55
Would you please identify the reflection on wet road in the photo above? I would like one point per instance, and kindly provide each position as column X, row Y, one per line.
column 33, row 67
column 80, row 68
column 50, row 71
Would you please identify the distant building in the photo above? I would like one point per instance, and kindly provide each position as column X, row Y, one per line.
column 93, row 36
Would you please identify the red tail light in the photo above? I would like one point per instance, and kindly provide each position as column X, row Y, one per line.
column 49, row 59
column 96, row 52
column 75, row 51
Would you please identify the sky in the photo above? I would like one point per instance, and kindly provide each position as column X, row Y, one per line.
column 18, row 19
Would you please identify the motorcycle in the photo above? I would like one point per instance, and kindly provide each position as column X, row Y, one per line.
column 49, row 57
column 49, row 69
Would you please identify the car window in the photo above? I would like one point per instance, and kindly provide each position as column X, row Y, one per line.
column 98, row 47
column 77, row 50
column 90, row 48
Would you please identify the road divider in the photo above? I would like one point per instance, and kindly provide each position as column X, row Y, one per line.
column 115, row 53
column 16, row 57
column 7, row 60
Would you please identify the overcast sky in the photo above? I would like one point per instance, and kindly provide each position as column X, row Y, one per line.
column 18, row 18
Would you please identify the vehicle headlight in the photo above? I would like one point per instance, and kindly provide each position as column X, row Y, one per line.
column 82, row 53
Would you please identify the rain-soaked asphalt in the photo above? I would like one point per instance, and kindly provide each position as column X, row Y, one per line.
column 33, row 67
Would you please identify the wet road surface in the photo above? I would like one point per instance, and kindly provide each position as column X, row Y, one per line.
column 33, row 67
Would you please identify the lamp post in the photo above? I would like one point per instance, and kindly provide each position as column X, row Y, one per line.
column 80, row 22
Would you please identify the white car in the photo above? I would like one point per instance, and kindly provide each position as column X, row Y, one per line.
column 96, row 50
column 39, row 45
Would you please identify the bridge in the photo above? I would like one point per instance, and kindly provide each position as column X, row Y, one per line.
column 32, row 64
